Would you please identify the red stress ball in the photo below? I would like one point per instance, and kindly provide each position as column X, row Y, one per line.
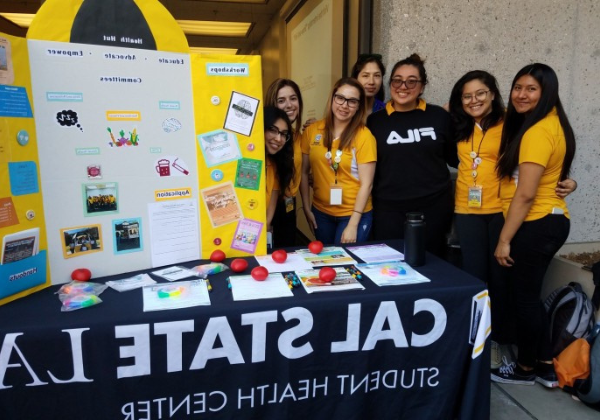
column 259, row 273
column 279, row 256
column 239, row 265
column 315, row 247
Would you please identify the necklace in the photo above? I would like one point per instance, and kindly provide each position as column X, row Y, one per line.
column 335, row 164
column 475, row 155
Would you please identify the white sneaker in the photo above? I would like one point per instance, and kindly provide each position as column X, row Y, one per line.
column 496, row 356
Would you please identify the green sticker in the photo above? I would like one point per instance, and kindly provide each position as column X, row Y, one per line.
column 247, row 174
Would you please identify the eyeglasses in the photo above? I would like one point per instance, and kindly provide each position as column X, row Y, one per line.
column 274, row 131
column 341, row 100
column 479, row 96
column 409, row 83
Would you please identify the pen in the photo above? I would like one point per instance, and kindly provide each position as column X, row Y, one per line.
column 208, row 285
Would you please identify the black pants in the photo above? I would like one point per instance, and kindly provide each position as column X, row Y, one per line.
column 284, row 225
column 478, row 236
column 532, row 249
column 388, row 221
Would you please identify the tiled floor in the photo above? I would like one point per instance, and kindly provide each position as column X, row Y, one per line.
column 520, row 402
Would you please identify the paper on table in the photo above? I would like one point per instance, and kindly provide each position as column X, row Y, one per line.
column 183, row 294
column 175, row 272
column 343, row 281
column 392, row 273
column 174, row 231
column 376, row 253
column 246, row 288
column 332, row 255
column 294, row 262
column 131, row 283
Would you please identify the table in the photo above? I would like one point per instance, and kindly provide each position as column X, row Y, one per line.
column 398, row 352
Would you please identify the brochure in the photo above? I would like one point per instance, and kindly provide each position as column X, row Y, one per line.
column 392, row 273
column 332, row 255
column 376, row 253
column 343, row 281
column 174, row 273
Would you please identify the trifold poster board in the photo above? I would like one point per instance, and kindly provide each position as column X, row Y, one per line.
column 23, row 256
column 144, row 157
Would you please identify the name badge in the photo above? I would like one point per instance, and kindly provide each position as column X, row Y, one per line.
column 475, row 194
column 289, row 204
column 335, row 195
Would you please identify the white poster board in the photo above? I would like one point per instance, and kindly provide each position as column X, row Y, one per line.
column 115, row 133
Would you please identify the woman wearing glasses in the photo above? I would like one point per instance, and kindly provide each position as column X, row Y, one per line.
column 341, row 153
column 369, row 71
column 477, row 111
column 278, row 158
column 285, row 95
column 536, row 152
column 414, row 144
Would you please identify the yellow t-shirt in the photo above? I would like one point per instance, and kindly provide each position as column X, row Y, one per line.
column 487, row 147
column 295, row 184
column 363, row 150
column 272, row 183
column 545, row 145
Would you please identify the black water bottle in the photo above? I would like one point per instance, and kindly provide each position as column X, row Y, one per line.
column 414, row 239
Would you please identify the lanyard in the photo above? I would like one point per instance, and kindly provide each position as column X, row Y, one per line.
column 475, row 155
column 335, row 164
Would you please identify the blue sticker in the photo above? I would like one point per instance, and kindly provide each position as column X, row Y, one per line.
column 22, row 137
column 216, row 175
column 23, row 178
column 14, row 102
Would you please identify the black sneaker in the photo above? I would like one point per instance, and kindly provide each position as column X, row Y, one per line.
column 511, row 373
column 546, row 375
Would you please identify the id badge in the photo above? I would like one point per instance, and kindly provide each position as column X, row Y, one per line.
column 335, row 195
column 289, row 204
column 475, row 194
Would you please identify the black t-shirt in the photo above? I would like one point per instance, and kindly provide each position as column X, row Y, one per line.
column 413, row 150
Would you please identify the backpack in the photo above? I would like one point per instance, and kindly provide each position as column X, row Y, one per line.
column 571, row 316
column 588, row 390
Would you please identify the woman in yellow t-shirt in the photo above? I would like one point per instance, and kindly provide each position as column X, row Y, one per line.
column 341, row 152
column 536, row 152
column 285, row 95
column 278, row 159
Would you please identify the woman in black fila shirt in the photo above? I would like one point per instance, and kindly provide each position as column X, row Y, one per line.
column 414, row 146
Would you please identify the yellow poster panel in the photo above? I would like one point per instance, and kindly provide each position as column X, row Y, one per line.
column 231, row 153
column 109, row 22
column 24, row 265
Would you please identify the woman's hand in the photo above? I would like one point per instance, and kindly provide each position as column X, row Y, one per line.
column 310, row 219
column 502, row 254
column 566, row 187
column 349, row 234
column 307, row 123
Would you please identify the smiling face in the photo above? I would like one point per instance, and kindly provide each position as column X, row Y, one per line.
column 525, row 94
column 274, row 142
column 351, row 101
column 287, row 100
column 477, row 99
column 370, row 78
column 405, row 98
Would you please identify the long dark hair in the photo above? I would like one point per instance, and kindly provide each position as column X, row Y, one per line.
column 515, row 124
column 463, row 122
column 284, row 159
column 273, row 93
column 360, row 64
column 357, row 120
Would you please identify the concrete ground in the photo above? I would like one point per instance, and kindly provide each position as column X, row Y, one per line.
column 521, row 402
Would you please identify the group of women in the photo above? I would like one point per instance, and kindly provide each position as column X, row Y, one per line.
column 370, row 163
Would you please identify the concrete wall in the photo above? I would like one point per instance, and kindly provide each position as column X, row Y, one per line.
column 501, row 37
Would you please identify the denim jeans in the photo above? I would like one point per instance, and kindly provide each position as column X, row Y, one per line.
column 532, row 249
column 329, row 228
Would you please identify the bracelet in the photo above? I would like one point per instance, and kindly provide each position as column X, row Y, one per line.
column 355, row 211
